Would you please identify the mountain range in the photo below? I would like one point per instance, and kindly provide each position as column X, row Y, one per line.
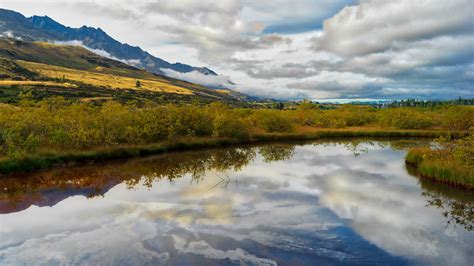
column 44, row 28
column 43, row 70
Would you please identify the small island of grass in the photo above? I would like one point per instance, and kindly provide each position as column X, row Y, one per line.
column 450, row 162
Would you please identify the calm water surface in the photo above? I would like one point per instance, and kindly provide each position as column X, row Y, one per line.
column 332, row 203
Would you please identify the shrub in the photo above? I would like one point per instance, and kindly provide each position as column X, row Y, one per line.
column 273, row 120
column 330, row 119
column 307, row 117
column 230, row 126
column 189, row 121
column 463, row 151
column 405, row 118
column 459, row 118
column 358, row 116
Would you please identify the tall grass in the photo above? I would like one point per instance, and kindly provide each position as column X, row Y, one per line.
column 449, row 163
column 48, row 159
column 39, row 134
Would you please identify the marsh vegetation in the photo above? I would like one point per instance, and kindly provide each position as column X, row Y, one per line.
column 58, row 126
column 448, row 161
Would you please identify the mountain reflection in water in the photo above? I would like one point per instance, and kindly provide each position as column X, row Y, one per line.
column 330, row 203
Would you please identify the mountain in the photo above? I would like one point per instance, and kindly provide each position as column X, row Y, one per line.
column 36, row 28
column 44, row 69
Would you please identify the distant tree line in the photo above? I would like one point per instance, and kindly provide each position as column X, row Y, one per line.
column 426, row 103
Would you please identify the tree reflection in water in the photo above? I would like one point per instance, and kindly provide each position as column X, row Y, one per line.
column 277, row 152
column 457, row 205
column 46, row 188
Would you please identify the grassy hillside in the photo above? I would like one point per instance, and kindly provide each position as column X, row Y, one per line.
column 36, row 67
column 98, row 79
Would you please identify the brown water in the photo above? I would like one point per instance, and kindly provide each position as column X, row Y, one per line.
column 326, row 203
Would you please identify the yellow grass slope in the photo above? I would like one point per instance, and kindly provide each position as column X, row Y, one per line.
column 102, row 79
column 35, row 83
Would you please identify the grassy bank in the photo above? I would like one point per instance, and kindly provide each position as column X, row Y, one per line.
column 450, row 162
column 47, row 159
column 38, row 134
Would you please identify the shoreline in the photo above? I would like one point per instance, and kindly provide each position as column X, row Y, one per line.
column 101, row 154
column 438, row 171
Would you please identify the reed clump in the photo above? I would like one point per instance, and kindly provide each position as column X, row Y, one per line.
column 448, row 161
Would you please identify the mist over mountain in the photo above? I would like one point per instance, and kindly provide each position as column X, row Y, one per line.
column 44, row 28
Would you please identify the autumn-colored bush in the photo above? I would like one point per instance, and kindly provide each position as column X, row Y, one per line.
column 406, row 118
column 57, row 124
column 188, row 121
column 358, row 116
column 228, row 123
column 273, row 120
column 459, row 117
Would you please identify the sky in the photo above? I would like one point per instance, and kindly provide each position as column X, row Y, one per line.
column 295, row 49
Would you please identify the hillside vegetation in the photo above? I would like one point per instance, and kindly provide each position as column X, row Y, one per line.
column 58, row 126
column 98, row 79
column 31, row 66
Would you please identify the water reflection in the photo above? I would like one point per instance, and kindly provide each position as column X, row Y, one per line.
column 457, row 205
column 330, row 203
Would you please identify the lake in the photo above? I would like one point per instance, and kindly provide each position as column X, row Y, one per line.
column 322, row 203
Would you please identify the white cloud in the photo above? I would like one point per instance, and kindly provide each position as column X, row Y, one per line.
column 376, row 25
column 417, row 46
column 214, row 28
column 100, row 52
column 199, row 78
column 9, row 34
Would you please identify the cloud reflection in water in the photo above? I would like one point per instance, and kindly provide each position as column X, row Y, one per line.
column 284, row 204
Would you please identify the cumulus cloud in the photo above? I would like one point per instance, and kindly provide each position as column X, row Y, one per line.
column 350, row 84
column 214, row 28
column 291, row 70
column 376, row 26
column 416, row 44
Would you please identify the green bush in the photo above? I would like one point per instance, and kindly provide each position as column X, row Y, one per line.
column 463, row 151
column 459, row 118
column 57, row 124
column 406, row 118
column 189, row 121
column 230, row 126
column 273, row 120
column 358, row 116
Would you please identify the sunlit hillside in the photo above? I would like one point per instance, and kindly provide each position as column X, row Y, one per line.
column 102, row 79
column 39, row 65
column 35, row 83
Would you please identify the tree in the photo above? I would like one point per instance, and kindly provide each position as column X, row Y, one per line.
column 138, row 84
column 279, row 106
